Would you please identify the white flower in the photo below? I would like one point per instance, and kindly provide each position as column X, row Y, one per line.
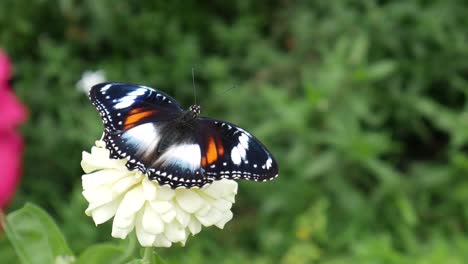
column 89, row 79
column 160, row 215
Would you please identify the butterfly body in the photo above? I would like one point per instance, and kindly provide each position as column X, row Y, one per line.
column 173, row 146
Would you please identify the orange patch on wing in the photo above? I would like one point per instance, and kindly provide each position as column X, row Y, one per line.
column 220, row 148
column 203, row 161
column 127, row 127
column 137, row 117
column 137, row 110
column 211, row 154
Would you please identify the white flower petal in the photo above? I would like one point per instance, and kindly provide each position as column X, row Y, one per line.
column 231, row 199
column 188, row 200
column 204, row 210
column 151, row 221
column 222, row 204
column 161, row 207
column 101, row 177
column 124, row 184
column 221, row 188
column 98, row 196
column 212, row 217
column 159, row 215
column 124, row 221
column 175, row 233
column 168, row 216
column 165, row 193
column 102, row 213
column 99, row 144
column 162, row 241
column 149, row 189
column 98, row 160
column 182, row 217
column 145, row 237
column 227, row 216
column 131, row 203
column 194, row 226
column 122, row 233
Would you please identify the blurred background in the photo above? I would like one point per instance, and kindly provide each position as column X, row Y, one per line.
column 363, row 103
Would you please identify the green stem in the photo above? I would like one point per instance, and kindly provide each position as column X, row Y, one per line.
column 148, row 255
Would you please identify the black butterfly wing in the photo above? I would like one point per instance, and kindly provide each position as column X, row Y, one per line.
column 134, row 117
column 231, row 152
column 195, row 153
column 141, row 125
column 146, row 126
column 123, row 106
column 177, row 158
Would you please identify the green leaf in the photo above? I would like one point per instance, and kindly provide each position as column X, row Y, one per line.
column 158, row 259
column 35, row 236
column 110, row 252
column 102, row 253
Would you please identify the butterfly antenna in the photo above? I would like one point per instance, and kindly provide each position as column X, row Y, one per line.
column 193, row 84
column 226, row 90
column 229, row 89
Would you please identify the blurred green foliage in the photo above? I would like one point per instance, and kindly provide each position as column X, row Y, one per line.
column 363, row 103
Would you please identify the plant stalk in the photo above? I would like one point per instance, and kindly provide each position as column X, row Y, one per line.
column 148, row 255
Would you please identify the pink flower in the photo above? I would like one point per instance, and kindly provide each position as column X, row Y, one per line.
column 12, row 113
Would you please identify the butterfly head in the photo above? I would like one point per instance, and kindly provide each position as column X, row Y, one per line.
column 195, row 109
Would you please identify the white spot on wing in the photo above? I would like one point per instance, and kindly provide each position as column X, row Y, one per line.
column 236, row 156
column 239, row 152
column 145, row 137
column 125, row 102
column 268, row 163
column 137, row 92
column 187, row 156
column 129, row 99
column 107, row 86
column 244, row 141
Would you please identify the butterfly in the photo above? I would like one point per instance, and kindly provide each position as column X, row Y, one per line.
column 173, row 146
